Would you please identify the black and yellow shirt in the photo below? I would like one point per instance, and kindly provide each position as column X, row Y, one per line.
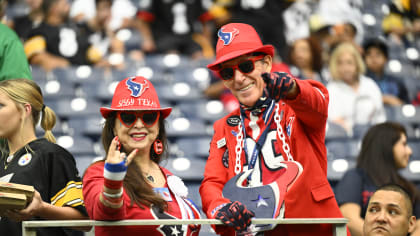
column 67, row 40
column 52, row 171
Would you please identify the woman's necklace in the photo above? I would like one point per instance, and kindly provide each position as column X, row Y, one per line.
column 8, row 160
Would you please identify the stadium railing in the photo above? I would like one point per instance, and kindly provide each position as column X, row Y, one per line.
column 29, row 227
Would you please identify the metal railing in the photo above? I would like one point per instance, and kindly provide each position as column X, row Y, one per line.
column 29, row 227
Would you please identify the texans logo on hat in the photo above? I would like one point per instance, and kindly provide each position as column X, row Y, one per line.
column 227, row 37
column 237, row 39
column 135, row 94
column 137, row 89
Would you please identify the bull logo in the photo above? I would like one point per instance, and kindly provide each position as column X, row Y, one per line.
column 227, row 37
column 137, row 89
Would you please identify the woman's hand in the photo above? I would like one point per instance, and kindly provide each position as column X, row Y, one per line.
column 115, row 155
column 33, row 209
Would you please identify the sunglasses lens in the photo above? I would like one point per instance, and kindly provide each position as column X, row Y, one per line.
column 149, row 118
column 128, row 118
column 226, row 73
column 246, row 66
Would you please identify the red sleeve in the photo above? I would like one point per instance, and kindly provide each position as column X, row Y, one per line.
column 93, row 183
column 146, row 16
column 215, row 176
column 311, row 105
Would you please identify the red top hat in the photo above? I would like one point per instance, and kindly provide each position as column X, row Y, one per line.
column 237, row 39
column 135, row 93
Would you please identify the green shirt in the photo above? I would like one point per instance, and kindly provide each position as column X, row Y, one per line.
column 13, row 61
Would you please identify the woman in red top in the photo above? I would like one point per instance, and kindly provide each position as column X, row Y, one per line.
column 129, row 183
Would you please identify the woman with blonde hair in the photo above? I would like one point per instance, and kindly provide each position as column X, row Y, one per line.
column 354, row 98
column 39, row 162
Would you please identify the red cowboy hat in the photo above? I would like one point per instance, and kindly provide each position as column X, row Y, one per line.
column 237, row 39
column 135, row 93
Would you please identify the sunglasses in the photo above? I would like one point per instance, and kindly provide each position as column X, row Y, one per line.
column 128, row 118
column 244, row 67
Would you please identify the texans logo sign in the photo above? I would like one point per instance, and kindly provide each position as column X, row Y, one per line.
column 137, row 89
column 227, row 37
column 265, row 201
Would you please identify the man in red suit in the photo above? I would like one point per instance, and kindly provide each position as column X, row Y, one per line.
column 275, row 136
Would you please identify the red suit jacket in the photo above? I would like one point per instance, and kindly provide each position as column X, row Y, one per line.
column 304, row 122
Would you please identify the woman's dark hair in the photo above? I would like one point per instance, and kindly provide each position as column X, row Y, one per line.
column 376, row 156
column 376, row 43
column 316, row 52
column 135, row 184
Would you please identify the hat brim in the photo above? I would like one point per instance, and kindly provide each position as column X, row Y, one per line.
column 165, row 111
column 268, row 49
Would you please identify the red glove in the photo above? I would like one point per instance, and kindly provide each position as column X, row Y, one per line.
column 236, row 215
column 278, row 84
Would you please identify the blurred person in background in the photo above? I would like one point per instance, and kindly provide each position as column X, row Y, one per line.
column 354, row 98
column 58, row 42
column 383, row 153
column 130, row 183
column 38, row 162
column 102, row 37
column 22, row 25
column 13, row 62
column 174, row 27
column 394, row 92
column 402, row 23
column 305, row 59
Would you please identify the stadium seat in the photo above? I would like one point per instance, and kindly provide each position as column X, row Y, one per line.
column 77, row 145
column 188, row 169
column 195, row 147
column 180, row 91
column 337, row 168
column 90, row 126
column 407, row 114
column 343, row 149
column 55, row 89
column 359, row 130
column 83, row 162
column 76, row 107
column 184, row 127
column 207, row 110
column 335, row 131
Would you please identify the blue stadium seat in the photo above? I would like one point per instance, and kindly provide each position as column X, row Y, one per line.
column 179, row 92
column 90, row 126
column 335, row 131
column 415, row 147
column 195, row 147
column 77, row 145
column 407, row 114
column 337, row 168
column 207, row 110
column 193, row 192
column 83, row 162
column 188, row 169
column 38, row 74
column 184, row 127
column 55, row 89
column 359, row 130
column 77, row 107
column 343, row 149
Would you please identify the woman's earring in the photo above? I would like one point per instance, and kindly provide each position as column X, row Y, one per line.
column 158, row 146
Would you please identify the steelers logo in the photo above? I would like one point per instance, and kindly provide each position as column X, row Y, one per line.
column 25, row 159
